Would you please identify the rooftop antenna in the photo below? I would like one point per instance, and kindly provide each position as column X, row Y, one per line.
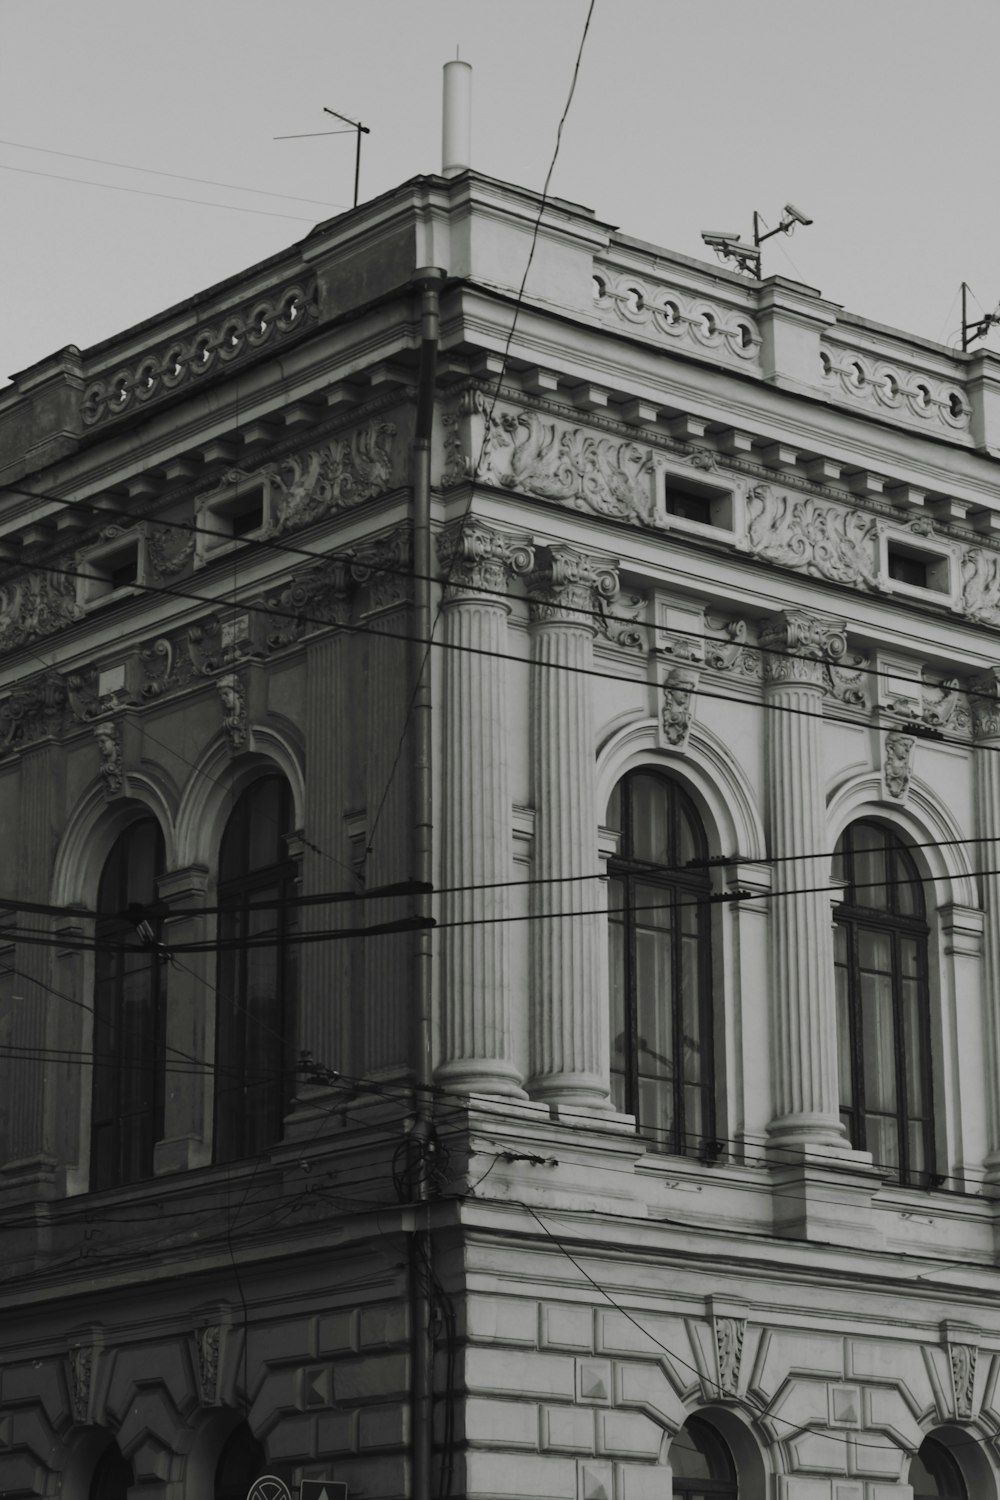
column 355, row 125
column 981, row 327
column 728, row 245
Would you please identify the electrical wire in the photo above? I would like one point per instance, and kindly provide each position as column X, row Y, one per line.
column 123, row 166
column 114, row 187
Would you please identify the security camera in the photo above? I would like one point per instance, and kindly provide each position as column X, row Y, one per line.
column 718, row 238
column 796, row 215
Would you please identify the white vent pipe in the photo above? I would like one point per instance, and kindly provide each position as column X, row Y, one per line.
column 456, row 119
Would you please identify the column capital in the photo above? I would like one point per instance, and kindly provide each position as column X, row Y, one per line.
column 799, row 646
column 985, row 691
column 475, row 558
column 567, row 586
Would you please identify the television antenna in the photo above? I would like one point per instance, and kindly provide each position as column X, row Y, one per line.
column 980, row 327
column 746, row 256
column 355, row 126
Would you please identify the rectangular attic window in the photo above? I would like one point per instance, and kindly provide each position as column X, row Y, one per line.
column 917, row 569
column 110, row 572
column 697, row 504
column 222, row 523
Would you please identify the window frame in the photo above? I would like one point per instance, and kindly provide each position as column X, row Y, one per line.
column 856, row 918
column 681, row 885
column 235, row 1136
column 111, row 981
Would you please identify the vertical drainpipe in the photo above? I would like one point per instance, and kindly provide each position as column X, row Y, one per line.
column 428, row 281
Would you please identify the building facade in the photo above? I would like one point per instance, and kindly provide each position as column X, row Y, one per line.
column 700, row 1196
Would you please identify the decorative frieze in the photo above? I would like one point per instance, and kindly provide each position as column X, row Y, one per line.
column 734, row 652
column 32, row 713
column 174, row 363
column 314, row 598
column 541, row 455
column 306, row 487
column 35, row 605
column 824, row 540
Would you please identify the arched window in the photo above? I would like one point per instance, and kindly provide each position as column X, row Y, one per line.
column 112, row 1476
column 883, row 1023
column 255, row 1010
column 701, row 1463
column 127, row 1100
column 660, row 963
column 241, row 1461
column 935, row 1475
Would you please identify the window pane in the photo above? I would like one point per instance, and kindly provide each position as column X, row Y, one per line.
column 878, row 1042
column 917, row 1150
column 874, row 951
column 845, row 1065
column 870, row 866
column 882, row 1140
column 649, row 820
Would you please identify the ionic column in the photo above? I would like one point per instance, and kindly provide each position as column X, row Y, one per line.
column 803, row 998
column 569, row 1027
column 476, row 811
column 986, row 724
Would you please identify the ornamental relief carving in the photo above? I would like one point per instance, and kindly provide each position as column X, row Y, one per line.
column 729, row 1336
column 543, row 456
column 677, row 710
column 570, row 588
column 800, row 648
column 981, row 585
column 963, row 1377
column 675, row 319
column 474, row 557
column 236, row 336
column 34, row 605
column 341, row 473
column 896, row 764
column 823, row 540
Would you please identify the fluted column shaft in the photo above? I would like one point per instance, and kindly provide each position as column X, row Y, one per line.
column 986, row 720
column 569, row 1027
column 803, row 997
column 476, row 812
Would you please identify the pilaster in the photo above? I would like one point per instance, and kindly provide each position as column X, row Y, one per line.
column 568, row 1032
column 797, row 649
column 986, row 759
column 189, row 1026
column 477, row 813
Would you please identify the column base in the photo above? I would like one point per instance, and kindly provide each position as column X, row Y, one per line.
column 480, row 1075
column 573, row 1090
column 807, row 1135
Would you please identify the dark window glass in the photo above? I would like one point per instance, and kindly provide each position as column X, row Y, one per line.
column 127, row 1098
column 934, row 1474
column 883, row 1024
column 255, row 1004
column 908, row 569
column 112, row 1477
column 660, row 964
column 241, row 1461
column 702, row 1463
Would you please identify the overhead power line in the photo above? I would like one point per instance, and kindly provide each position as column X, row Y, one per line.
column 176, row 176
column 114, row 187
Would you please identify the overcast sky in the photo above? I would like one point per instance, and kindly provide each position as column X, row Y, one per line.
column 877, row 117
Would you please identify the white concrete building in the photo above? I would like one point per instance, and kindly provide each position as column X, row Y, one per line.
column 711, row 1154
